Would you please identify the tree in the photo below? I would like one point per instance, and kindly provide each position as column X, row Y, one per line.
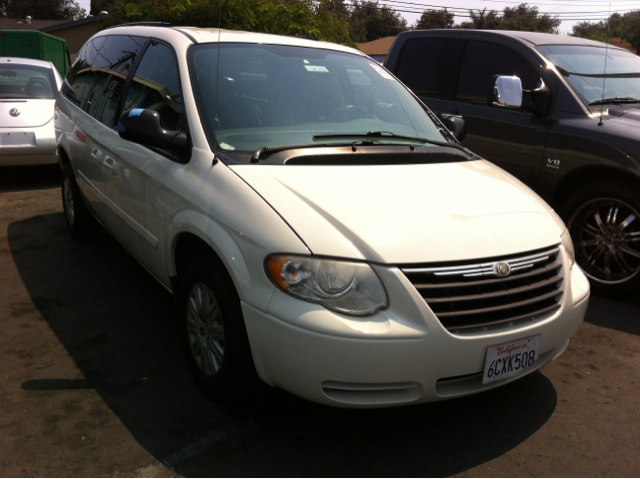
column 529, row 19
column 369, row 21
column 483, row 20
column 98, row 6
column 623, row 28
column 311, row 18
column 431, row 19
column 523, row 17
column 42, row 9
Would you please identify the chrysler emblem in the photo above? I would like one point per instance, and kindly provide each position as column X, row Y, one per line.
column 502, row 269
column 14, row 112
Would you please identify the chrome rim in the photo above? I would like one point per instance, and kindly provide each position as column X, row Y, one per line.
column 606, row 236
column 68, row 200
column 205, row 329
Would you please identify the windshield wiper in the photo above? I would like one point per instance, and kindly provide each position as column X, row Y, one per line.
column 260, row 152
column 390, row 135
column 621, row 99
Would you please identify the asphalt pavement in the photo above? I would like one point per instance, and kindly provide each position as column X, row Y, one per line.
column 94, row 382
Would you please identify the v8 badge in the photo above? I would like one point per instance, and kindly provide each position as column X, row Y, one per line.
column 553, row 163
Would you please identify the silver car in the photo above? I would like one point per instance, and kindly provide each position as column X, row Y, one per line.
column 27, row 100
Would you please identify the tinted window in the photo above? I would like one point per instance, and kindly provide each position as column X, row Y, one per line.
column 422, row 65
column 98, row 74
column 483, row 60
column 156, row 86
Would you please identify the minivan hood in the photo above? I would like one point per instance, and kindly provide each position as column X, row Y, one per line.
column 406, row 213
column 33, row 113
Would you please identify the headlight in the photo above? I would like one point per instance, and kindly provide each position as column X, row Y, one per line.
column 568, row 247
column 346, row 287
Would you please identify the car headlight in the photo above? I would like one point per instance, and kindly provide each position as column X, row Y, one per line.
column 568, row 247
column 346, row 287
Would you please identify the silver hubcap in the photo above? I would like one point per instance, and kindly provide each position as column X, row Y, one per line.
column 606, row 235
column 68, row 200
column 205, row 330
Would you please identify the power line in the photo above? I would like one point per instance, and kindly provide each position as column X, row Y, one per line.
column 421, row 5
column 500, row 14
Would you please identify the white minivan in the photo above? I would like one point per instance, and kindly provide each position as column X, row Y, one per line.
column 319, row 228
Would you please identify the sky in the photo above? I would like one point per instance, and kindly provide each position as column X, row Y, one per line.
column 570, row 11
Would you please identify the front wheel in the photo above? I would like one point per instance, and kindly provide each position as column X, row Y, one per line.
column 214, row 332
column 604, row 223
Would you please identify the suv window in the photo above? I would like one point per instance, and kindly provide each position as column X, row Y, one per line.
column 483, row 60
column 422, row 64
column 156, row 86
column 98, row 74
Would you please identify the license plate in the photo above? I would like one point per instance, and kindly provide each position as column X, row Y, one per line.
column 18, row 139
column 509, row 359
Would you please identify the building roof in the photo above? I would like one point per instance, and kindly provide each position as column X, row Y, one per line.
column 377, row 47
column 16, row 24
column 46, row 26
column 73, row 23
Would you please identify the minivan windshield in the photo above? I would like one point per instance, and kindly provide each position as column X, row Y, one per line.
column 584, row 68
column 26, row 81
column 273, row 95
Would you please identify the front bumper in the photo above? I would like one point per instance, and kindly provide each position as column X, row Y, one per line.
column 401, row 355
column 37, row 151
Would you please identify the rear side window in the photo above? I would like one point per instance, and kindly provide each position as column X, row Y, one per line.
column 99, row 72
column 156, row 86
column 422, row 65
column 483, row 60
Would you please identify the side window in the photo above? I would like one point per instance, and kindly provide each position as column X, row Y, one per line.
column 156, row 86
column 99, row 71
column 80, row 76
column 112, row 63
column 483, row 60
column 422, row 64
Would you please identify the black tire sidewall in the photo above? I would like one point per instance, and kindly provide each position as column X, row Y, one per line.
column 81, row 225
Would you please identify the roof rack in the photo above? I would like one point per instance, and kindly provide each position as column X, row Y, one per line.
column 142, row 24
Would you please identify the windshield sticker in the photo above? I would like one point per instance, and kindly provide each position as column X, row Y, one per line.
column 384, row 73
column 316, row 68
column 224, row 146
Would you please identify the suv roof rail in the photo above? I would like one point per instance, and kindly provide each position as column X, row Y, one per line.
column 142, row 24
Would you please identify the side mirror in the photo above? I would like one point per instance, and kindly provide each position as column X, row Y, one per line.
column 456, row 125
column 506, row 92
column 540, row 99
column 144, row 127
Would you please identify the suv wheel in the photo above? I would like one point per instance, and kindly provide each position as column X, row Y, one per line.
column 213, row 329
column 604, row 222
column 79, row 220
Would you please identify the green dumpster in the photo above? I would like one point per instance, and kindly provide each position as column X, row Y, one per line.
column 36, row 45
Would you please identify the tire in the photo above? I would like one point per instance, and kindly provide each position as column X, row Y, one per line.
column 604, row 223
column 79, row 221
column 212, row 322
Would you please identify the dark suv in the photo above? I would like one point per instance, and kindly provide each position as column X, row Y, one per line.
column 560, row 113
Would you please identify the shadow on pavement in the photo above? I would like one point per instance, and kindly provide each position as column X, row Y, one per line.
column 24, row 178
column 615, row 313
column 117, row 325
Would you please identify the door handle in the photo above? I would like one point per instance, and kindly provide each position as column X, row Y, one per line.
column 96, row 155
column 110, row 164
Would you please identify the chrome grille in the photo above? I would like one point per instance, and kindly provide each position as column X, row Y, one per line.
column 467, row 297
